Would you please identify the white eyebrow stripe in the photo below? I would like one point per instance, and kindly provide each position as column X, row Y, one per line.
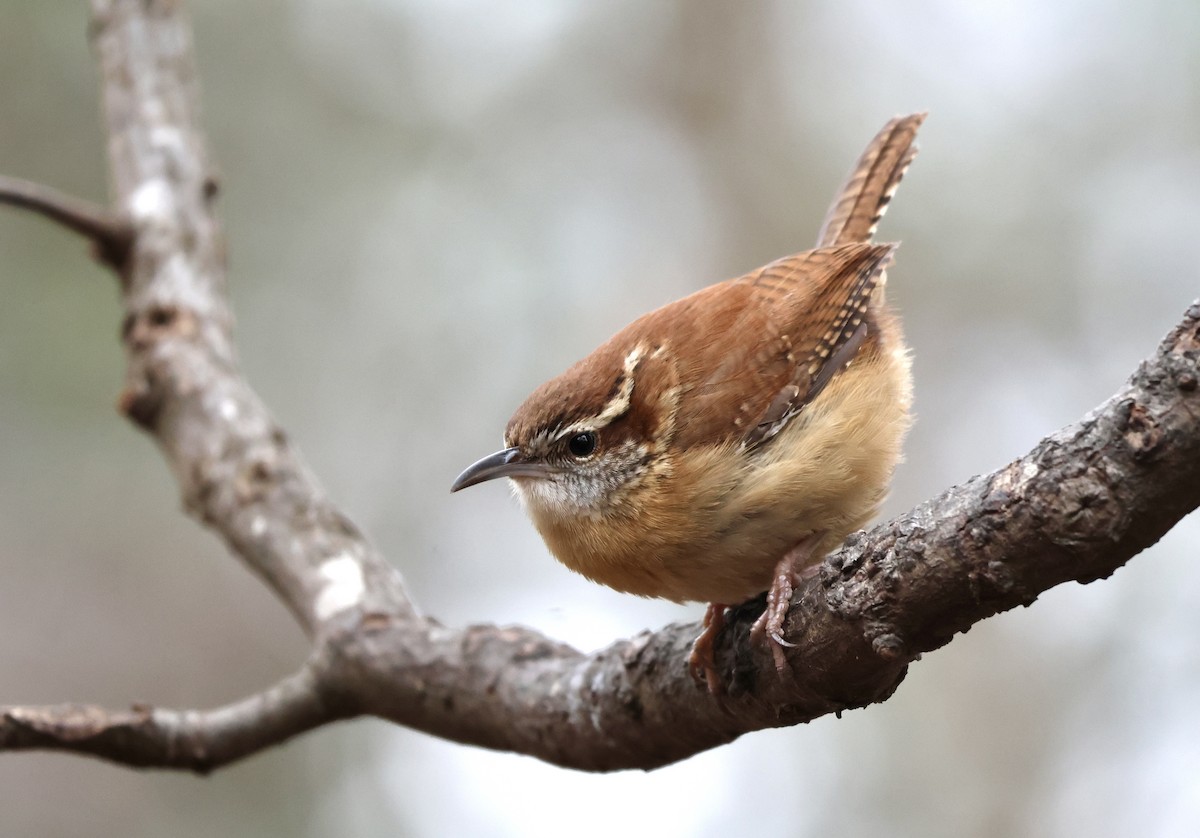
column 617, row 406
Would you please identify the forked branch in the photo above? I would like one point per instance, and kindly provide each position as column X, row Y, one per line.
column 1080, row 504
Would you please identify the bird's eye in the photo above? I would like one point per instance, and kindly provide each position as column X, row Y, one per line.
column 582, row 444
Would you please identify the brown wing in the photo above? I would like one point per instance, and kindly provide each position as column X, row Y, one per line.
column 772, row 339
column 833, row 328
column 864, row 197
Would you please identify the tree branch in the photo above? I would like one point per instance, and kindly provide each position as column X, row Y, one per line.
column 1083, row 502
column 1079, row 505
column 237, row 470
column 145, row 737
column 110, row 234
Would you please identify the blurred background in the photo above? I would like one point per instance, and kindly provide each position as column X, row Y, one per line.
column 433, row 206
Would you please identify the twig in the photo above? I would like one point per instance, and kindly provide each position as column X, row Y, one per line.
column 146, row 737
column 110, row 233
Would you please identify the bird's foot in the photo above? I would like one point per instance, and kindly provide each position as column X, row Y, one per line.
column 795, row 567
column 701, row 662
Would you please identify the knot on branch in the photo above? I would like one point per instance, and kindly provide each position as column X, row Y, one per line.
column 1141, row 430
column 141, row 402
column 157, row 322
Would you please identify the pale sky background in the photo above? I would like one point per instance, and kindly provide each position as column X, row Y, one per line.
column 433, row 206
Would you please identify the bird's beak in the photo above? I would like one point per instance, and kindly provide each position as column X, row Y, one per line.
column 506, row 463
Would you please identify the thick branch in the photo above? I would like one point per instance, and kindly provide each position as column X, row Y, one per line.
column 237, row 470
column 1078, row 506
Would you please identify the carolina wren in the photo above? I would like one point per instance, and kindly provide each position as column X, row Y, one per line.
column 722, row 444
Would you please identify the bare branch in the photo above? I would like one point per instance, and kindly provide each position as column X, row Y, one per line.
column 1083, row 502
column 111, row 234
column 237, row 470
column 1079, row 505
column 148, row 737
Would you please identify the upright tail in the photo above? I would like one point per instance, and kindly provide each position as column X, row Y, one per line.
column 864, row 197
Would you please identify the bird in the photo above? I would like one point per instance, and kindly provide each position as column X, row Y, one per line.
column 721, row 445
